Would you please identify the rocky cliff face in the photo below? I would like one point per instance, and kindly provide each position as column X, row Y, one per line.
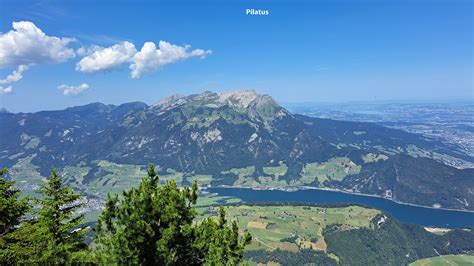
column 212, row 131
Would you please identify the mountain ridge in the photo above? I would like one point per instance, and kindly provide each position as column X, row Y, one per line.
column 238, row 139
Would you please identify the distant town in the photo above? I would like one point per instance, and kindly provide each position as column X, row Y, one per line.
column 451, row 123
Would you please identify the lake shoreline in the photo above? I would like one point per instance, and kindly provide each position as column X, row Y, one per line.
column 342, row 191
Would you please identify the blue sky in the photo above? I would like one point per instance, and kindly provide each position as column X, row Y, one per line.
column 303, row 51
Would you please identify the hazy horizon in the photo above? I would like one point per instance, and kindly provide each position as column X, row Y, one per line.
column 285, row 104
column 60, row 54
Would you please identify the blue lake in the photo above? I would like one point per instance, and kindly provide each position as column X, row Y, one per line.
column 405, row 213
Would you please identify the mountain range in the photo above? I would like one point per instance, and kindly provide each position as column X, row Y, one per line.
column 240, row 139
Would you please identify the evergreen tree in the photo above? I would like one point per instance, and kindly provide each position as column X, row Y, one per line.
column 219, row 244
column 56, row 233
column 12, row 208
column 155, row 225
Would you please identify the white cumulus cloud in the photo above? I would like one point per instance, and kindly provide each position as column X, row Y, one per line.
column 28, row 45
column 15, row 76
column 85, row 51
column 148, row 59
column 6, row 90
column 73, row 90
column 101, row 59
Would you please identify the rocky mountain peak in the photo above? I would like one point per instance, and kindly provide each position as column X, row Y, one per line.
column 245, row 99
column 258, row 107
column 169, row 102
column 239, row 99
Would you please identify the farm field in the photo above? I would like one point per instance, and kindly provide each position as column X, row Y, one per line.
column 292, row 228
column 454, row 260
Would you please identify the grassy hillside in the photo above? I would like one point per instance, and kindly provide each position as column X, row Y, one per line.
column 296, row 227
column 454, row 260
